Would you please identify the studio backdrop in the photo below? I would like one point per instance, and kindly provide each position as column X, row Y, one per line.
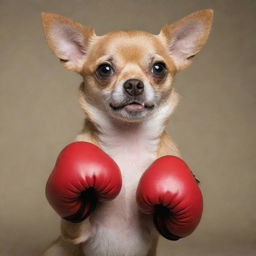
column 214, row 124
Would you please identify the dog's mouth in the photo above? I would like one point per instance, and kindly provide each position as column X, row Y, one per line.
column 132, row 106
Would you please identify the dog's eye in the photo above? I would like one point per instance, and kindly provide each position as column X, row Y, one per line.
column 159, row 70
column 104, row 71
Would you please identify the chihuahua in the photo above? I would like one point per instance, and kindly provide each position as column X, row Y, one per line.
column 128, row 97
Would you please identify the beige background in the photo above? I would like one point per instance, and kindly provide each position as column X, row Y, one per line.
column 214, row 124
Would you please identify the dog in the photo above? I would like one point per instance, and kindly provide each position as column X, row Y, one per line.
column 127, row 95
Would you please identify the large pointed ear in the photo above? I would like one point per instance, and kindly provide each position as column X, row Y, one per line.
column 186, row 37
column 67, row 39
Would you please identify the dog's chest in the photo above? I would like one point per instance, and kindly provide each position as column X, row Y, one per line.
column 119, row 219
column 133, row 151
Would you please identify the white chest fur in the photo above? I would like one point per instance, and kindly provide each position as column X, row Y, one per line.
column 120, row 229
column 132, row 148
column 118, row 226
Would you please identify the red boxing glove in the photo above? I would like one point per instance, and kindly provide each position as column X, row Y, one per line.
column 169, row 191
column 83, row 174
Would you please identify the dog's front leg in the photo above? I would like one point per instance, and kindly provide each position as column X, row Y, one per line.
column 153, row 248
column 62, row 248
column 76, row 233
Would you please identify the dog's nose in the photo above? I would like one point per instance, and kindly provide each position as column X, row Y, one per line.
column 134, row 87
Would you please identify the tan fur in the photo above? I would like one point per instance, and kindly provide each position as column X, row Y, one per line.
column 205, row 16
column 131, row 53
column 51, row 18
column 60, row 247
column 70, row 231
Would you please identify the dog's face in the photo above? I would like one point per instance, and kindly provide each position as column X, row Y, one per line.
column 127, row 74
column 127, row 77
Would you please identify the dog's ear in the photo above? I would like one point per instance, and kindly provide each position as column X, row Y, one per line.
column 67, row 39
column 186, row 37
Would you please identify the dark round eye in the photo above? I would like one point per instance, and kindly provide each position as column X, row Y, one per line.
column 159, row 69
column 104, row 71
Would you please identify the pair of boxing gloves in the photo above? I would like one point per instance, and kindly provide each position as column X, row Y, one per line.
column 84, row 175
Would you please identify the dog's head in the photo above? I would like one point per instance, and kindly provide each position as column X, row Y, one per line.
column 127, row 74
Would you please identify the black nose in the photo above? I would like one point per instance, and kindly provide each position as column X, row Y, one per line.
column 134, row 87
